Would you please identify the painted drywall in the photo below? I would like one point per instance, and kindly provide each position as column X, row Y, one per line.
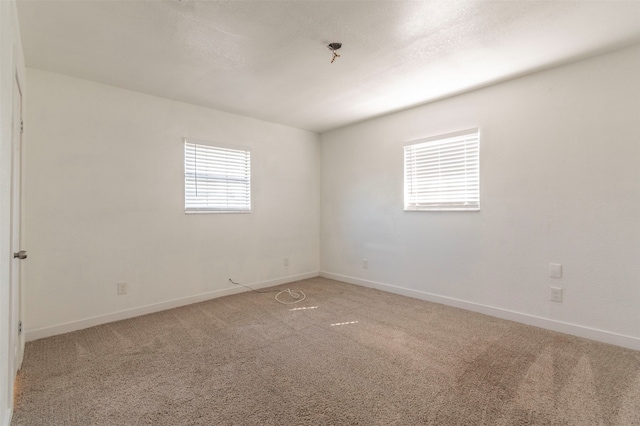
column 11, row 62
column 105, row 192
column 560, row 183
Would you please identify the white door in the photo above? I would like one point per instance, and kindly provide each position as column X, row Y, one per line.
column 16, row 343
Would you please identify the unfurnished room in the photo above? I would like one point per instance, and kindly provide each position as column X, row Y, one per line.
column 319, row 212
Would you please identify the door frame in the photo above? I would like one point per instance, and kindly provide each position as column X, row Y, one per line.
column 17, row 241
column 16, row 340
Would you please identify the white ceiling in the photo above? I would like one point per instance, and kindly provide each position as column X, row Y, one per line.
column 269, row 60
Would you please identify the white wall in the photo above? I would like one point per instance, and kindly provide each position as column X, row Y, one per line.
column 560, row 182
column 11, row 60
column 105, row 192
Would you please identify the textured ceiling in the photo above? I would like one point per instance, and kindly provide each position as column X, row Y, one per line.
column 269, row 60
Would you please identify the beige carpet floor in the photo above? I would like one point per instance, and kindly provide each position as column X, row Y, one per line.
column 346, row 355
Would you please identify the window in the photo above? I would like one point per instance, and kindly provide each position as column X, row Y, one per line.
column 443, row 172
column 216, row 178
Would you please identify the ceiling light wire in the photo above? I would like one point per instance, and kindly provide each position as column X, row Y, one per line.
column 333, row 47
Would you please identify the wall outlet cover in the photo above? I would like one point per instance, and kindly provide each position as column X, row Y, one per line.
column 122, row 288
column 556, row 294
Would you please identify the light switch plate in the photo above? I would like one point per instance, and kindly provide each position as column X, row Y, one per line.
column 555, row 270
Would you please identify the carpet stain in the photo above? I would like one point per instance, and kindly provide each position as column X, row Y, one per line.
column 488, row 384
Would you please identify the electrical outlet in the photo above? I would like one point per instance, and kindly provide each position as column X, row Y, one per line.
column 122, row 288
column 556, row 294
column 286, row 262
column 365, row 264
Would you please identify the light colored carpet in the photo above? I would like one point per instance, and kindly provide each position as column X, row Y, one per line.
column 355, row 356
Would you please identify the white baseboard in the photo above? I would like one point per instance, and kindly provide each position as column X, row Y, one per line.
column 549, row 324
column 40, row 333
column 8, row 415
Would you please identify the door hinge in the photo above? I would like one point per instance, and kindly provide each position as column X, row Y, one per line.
column 19, row 328
column 21, row 126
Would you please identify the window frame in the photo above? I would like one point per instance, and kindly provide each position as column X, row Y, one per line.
column 451, row 139
column 190, row 209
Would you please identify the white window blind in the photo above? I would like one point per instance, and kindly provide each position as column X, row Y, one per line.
column 216, row 179
column 443, row 172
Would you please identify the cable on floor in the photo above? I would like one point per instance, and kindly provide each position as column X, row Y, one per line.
column 298, row 295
